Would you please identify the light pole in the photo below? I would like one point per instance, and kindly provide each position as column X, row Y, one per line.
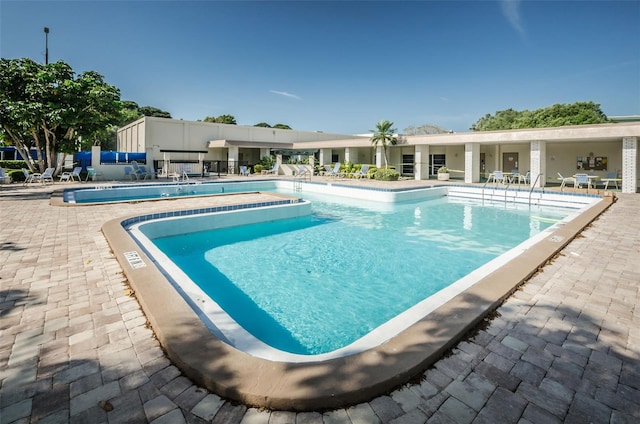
column 46, row 44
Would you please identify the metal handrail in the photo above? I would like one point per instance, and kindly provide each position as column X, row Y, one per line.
column 534, row 186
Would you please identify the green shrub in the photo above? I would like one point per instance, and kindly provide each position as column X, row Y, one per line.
column 268, row 162
column 257, row 168
column 387, row 175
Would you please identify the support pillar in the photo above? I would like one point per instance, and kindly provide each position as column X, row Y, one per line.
column 347, row 154
column 325, row 156
column 264, row 152
column 233, row 155
column 379, row 157
column 538, row 165
column 471, row 163
column 629, row 164
column 422, row 162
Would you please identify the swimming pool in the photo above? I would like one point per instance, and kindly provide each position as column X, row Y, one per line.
column 317, row 286
column 327, row 380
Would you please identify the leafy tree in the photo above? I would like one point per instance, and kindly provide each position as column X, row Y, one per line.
column 262, row 124
column 282, row 126
column 558, row 115
column 383, row 135
column 424, row 129
column 52, row 109
column 222, row 119
column 153, row 111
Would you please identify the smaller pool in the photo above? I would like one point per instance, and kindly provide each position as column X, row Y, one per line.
column 141, row 192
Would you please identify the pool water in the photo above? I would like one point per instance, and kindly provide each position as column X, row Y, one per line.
column 318, row 283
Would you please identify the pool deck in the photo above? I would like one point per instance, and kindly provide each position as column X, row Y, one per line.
column 76, row 347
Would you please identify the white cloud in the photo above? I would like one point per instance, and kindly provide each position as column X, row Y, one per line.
column 285, row 94
column 511, row 11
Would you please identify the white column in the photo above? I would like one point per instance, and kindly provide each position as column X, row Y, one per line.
column 629, row 164
column 234, row 153
column 422, row 162
column 347, row 154
column 538, row 163
column 325, row 156
column 379, row 157
column 265, row 152
column 471, row 163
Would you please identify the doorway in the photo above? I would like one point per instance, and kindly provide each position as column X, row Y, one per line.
column 509, row 161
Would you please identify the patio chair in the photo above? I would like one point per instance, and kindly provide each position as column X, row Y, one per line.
column 4, row 178
column 497, row 177
column 30, row 177
column 47, row 175
column 565, row 180
column 274, row 170
column 71, row 176
column 363, row 172
column 93, row 174
column 524, row 178
column 581, row 180
column 302, row 170
column 244, row 171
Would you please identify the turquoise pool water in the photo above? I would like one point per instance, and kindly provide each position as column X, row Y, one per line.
column 315, row 284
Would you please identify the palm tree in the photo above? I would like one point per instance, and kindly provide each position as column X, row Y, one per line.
column 383, row 135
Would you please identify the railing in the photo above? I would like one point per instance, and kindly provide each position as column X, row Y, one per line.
column 533, row 185
column 299, row 178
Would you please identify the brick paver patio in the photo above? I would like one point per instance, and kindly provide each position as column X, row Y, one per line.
column 75, row 346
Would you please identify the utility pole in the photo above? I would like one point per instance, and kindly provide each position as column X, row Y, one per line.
column 46, row 44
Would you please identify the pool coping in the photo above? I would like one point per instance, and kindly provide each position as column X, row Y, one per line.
column 334, row 383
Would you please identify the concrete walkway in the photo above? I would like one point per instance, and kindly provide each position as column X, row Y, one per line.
column 75, row 347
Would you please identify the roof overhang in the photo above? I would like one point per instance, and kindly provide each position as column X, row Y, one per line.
column 212, row 144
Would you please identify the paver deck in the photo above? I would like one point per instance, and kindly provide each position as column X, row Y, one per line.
column 75, row 346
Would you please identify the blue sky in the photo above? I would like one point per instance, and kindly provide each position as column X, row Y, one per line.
column 342, row 66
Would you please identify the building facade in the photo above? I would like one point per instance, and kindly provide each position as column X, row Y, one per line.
column 600, row 150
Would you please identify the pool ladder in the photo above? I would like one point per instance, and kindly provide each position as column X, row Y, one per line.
column 299, row 179
column 506, row 189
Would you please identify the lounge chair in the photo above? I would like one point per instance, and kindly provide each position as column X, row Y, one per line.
column 128, row 173
column 611, row 177
column 274, row 170
column 565, row 180
column 71, row 176
column 30, row 177
column 335, row 172
column 363, row 172
column 244, row 171
column 302, row 170
column 145, row 173
column 4, row 178
column 47, row 175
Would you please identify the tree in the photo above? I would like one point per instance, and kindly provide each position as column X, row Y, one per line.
column 282, row 126
column 424, row 129
column 558, row 115
column 222, row 119
column 384, row 135
column 153, row 111
column 262, row 124
column 50, row 108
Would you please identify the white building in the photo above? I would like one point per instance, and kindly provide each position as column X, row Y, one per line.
column 595, row 149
